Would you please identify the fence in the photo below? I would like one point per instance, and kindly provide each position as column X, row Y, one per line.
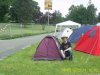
column 15, row 30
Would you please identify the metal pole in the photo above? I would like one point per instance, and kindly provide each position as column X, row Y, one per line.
column 21, row 29
column 32, row 29
column 48, row 17
column 10, row 31
column 55, row 30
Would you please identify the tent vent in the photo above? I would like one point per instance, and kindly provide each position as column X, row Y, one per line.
column 92, row 34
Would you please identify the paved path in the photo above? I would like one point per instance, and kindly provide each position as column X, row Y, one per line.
column 8, row 47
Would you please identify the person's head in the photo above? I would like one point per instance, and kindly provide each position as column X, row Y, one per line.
column 64, row 39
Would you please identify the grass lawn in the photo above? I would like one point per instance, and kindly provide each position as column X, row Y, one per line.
column 21, row 63
column 14, row 30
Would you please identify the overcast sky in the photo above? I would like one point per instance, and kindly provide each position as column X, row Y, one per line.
column 64, row 5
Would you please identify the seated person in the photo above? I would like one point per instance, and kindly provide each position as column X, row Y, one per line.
column 66, row 49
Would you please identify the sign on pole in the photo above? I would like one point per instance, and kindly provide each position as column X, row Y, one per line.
column 48, row 4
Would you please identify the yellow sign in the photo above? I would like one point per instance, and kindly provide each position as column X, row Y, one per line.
column 48, row 4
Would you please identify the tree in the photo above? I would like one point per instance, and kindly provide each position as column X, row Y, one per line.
column 44, row 19
column 22, row 11
column 13, row 15
column 3, row 10
column 56, row 17
column 8, row 2
column 91, row 14
column 98, row 17
column 77, row 14
column 37, row 14
column 82, row 14
column 29, row 11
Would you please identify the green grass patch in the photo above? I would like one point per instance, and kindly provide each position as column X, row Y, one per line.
column 21, row 63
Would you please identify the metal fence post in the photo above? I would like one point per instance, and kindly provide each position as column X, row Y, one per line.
column 10, row 33
column 21, row 29
column 32, row 28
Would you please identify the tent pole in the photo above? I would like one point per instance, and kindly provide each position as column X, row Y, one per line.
column 90, row 52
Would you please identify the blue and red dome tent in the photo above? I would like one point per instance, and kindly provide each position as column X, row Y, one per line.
column 90, row 41
column 78, row 33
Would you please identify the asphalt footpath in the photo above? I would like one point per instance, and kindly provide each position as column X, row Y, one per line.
column 8, row 47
